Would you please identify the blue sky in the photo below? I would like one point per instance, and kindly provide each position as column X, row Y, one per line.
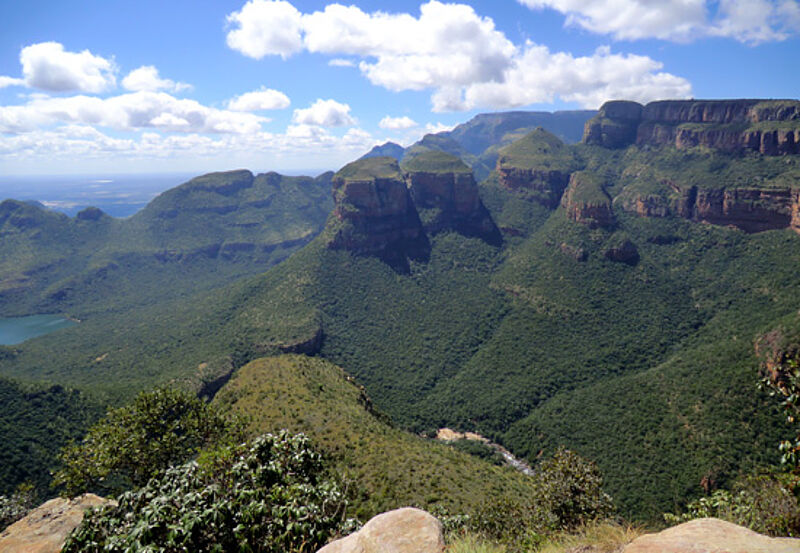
column 199, row 85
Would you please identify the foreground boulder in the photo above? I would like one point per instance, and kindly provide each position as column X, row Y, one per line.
column 45, row 528
column 406, row 530
column 711, row 535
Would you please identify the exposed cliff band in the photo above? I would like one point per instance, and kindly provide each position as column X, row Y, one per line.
column 730, row 127
column 445, row 193
column 383, row 211
column 374, row 214
column 538, row 166
column 771, row 127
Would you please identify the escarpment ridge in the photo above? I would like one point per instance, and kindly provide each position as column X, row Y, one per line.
column 724, row 162
column 770, row 127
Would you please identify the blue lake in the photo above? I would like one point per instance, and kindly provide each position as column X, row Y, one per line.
column 18, row 329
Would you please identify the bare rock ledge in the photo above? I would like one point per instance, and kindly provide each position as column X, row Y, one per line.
column 45, row 528
column 711, row 535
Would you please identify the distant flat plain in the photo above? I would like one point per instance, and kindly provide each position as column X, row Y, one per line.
column 117, row 195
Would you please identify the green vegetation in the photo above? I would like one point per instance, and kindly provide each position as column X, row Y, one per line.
column 141, row 440
column 270, row 496
column 35, row 422
column 541, row 150
column 383, row 167
column 645, row 367
column 434, row 161
column 16, row 506
column 568, row 496
column 587, row 188
column 478, row 449
column 388, row 467
column 197, row 236
column 764, row 502
column 600, row 537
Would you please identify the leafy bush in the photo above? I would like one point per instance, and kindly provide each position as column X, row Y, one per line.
column 782, row 379
column 766, row 503
column 271, row 496
column 571, row 491
column 568, row 495
column 136, row 442
column 16, row 506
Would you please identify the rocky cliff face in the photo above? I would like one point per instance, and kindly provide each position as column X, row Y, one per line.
column 771, row 127
column 586, row 201
column 750, row 209
column 615, row 125
column 546, row 186
column 538, row 165
column 444, row 191
column 375, row 213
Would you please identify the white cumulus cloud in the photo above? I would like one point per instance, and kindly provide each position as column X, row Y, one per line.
column 756, row 21
column 266, row 27
column 137, row 110
column 397, row 123
column 11, row 81
column 467, row 62
column 433, row 128
column 539, row 75
column 48, row 66
column 146, row 78
column 324, row 113
column 341, row 62
column 262, row 99
column 447, row 44
column 750, row 21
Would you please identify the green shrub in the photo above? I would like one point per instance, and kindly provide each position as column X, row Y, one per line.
column 766, row 503
column 568, row 495
column 136, row 442
column 270, row 496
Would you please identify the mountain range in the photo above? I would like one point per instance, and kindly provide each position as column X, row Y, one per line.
column 606, row 295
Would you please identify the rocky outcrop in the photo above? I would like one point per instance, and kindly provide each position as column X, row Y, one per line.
column 538, row 166
column 771, row 127
column 544, row 185
column 710, row 535
column 375, row 214
column 45, row 528
column 614, row 126
column 406, row 530
column 622, row 251
column 794, row 222
column 445, row 194
column 750, row 209
column 586, row 201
